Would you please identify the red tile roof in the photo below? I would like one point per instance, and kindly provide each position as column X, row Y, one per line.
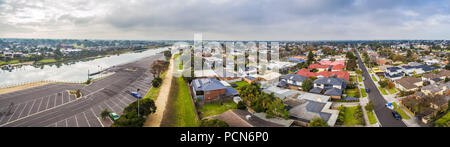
column 338, row 67
column 314, row 66
column 340, row 74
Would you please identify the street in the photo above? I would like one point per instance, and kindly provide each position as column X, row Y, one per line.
column 383, row 114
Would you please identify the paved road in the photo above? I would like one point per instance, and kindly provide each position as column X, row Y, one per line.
column 53, row 106
column 384, row 115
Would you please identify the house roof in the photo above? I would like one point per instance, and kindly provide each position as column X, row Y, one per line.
column 313, row 97
column 331, row 81
column 442, row 73
column 294, row 77
column 238, row 118
column 316, row 90
column 229, row 91
column 314, row 66
column 340, row 74
column 338, row 67
column 408, row 82
column 308, row 110
column 206, row 84
column 333, row 92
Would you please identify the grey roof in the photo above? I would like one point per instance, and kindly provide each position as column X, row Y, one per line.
column 206, row 84
column 250, row 78
column 308, row 110
column 330, row 81
column 294, row 77
column 230, row 91
column 333, row 92
column 316, row 90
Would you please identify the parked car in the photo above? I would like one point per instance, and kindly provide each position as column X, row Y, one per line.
column 396, row 115
column 114, row 116
column 364, row 78
column 390, row 106
column 134, row 94
column 367, row 90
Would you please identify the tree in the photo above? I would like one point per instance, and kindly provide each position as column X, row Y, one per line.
column 130, row 117
column 307, row 84
column 277, row 108
column 241, row 105
column 157, row 82
column 105, row 113
column 213, row 123
column 168, row 54
column 310, row 58
column 370, row 106
column 317, row 122
column 158, row 67
column 383, row 83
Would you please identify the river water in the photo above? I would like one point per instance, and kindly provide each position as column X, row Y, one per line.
column 69, row 72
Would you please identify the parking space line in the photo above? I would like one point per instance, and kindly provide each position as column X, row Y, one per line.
column 86, row 119
column 76, row 120
column 66, row 122
column 23, row 109
column 32, row 107
column 48, row 101
column 13, row 113
column 93, row 114
column 110, row 108
column 121, row 101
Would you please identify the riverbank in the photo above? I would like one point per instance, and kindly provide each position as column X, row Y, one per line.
column 23, row 87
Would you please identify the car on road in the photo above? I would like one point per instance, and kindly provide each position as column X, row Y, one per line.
column 367, row 90
column 390, row 106
column 396, row 115
column 134, row 94
column 364, row 78
column 114, row 116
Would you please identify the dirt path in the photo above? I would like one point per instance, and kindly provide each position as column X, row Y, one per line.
column 154, row 120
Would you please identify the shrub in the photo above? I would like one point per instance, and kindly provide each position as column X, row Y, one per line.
column 213, row 123
column 241, row 105
column 317, row 122
column 370, row 106
column 157, row 82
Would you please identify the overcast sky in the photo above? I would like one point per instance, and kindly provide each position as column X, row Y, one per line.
column 226, row 19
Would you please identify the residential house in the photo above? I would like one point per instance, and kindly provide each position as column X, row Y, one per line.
column 436, row 89
column 242, row 118
column 303, row 111
column 319, row 67
column 408, row 83
column 338, row 74
column 434, row 77
column 329, row 86
column 293, row 81
column 208, row 89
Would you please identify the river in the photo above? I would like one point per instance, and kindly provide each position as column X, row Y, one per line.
column 69, row 72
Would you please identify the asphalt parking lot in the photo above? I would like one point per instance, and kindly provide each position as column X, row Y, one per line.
column 53, row 106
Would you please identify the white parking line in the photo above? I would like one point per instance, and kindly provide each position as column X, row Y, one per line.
column 76, row 120
column 121, row 101
column 22, row 110
column 110, row 108
column 86, row 119
column 48, row 101
column 32, row 106
column 13, row 113
column 67, row 125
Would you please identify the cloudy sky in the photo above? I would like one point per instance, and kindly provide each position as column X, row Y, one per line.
column 226, row 19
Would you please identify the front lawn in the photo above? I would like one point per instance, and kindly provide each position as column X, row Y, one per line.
column 444, row 121
column 401, row 112
column 363, row 92
column 240, row 84
column 351, row 116
column 353, row 93
column 215, row 108
column 360, row 78
column 382, row 91
column 371, row 117
column 392, row 91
